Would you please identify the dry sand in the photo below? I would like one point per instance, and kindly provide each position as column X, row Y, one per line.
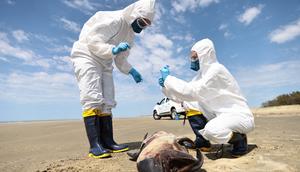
column 62, row 145
column 277, row 111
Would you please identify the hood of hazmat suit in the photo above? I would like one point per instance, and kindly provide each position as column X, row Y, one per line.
column 142, row 8
column 214, row 88
column 106, row 29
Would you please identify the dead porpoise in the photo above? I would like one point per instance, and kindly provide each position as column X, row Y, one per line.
column 164, row 152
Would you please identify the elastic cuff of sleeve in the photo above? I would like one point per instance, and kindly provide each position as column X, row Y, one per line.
column 113, row 51
column 165, row 80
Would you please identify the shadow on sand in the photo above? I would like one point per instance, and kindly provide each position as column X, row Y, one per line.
column 217, row 153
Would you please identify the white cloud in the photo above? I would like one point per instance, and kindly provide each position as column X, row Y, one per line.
column 37, row 87
column 159, row 12
column 4, row 59
column 71, row 40
column 147, row 57
column 63, row 63
column 42, row 62
column 223, row 26
column 29, row 57
column 20, row 35
column 264, row 82
column 178, row 18
column 188, row 37
column 70, row 25
column 45, row 39
column 183, row 5
column 11, row 2
column 250, row 14
column 285, row 33
column 6, row 49
column 61, row 49
column 178, row 50
column 270, row 75
column 227, row 34
column 86, row 6
column 3, row 37
column 127, row 90
column 150, row 56
column 156, row 40
column 26, row 87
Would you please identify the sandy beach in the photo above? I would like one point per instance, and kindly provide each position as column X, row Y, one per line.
column 274, row 145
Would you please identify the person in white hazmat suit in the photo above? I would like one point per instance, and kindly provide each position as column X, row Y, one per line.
column 106, row 38
column 219, row 98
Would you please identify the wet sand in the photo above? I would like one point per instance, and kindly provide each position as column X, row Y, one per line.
column 63, row 146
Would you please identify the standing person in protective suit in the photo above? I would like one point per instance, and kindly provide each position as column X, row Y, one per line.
column 227, row 117
column 106, row 38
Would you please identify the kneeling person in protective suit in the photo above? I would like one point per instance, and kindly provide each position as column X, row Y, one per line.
column 218, row 96
column 106, row 38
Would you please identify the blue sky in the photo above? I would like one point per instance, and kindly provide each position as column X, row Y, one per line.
column 258, row 41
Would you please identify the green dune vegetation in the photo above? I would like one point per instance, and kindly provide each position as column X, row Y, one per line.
column 284, row 99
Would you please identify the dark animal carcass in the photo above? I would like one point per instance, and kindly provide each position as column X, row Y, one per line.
column 164, row 152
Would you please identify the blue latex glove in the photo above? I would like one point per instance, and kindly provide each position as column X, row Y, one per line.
column 136, row 75
column 164, row 72
column 123, row 46
column 195, row 65
column 161, row 82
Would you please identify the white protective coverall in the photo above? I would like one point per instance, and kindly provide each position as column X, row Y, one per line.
column 92, row 54
column 218, row 96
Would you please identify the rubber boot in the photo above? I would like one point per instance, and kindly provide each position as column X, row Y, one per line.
column 240, row 145
column 96, row 149
column 107, row 135
column 197, row 123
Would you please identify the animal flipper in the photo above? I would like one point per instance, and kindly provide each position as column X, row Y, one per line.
column 133, row 154
column 145, row 136
column 189, row 144
column 186, row 142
